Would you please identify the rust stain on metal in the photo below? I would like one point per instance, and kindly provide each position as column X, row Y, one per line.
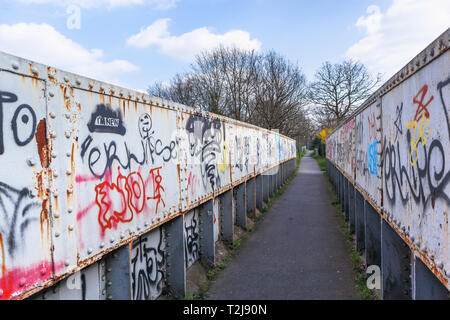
column 43, row 146
column 3, row 255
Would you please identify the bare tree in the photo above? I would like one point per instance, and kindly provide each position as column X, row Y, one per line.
column 181, row 89
column 339, row 89
column 281, row 94
column 264, row 89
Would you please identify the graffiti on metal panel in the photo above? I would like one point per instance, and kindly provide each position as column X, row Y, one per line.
column 425, row 176
column 191, row 240
column 120, row 201
column 18, row 211
column 373, row 158
column 148, row 266
column 106, row 120
column 100, row 159
column 398, row 121
column 23, row 123
column 205, row 137
column 154, row 147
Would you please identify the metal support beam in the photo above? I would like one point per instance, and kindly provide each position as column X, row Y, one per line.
column 395, row 265
column 207, row 244
column 251, row 197
column 176, row 264
column 426, row 285
column 360, row 207
column 118, row 277
column 372, row 245
column 259, row 191
column 241, row 205
column 226, row 216
column 266, row 181
column 351, row 203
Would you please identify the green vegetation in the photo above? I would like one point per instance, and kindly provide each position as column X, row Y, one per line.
column 357, row 263
column 214, row 272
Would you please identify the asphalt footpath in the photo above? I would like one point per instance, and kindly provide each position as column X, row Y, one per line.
column 296, row 252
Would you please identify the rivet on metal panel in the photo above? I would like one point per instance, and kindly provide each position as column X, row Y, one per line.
column 69, row 210
column 102, row 245
column 31, row 162
column 69, row 172
column 89, row 250
column 66, row 79
column 15, row 65
column 57, row 234
column 43, row 271
column 54, row 154
column 447, row 273
column 109, row 297
column 22, row 282
column 90, row 85
column 423, row 249
column 51, row 94
column 67, row 134
column 55, row 173
column 70, row 227
column 417, row 243
column 111, row 240
column 52, row 115
column 34, row 70
column 109, row 283
column 78, row 82
column 67, row 263
column 56, row 215
column 68, row 154
column 439, row 264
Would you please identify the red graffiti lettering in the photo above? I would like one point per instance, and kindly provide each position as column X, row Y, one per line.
column 120, row 201
column 422, row 108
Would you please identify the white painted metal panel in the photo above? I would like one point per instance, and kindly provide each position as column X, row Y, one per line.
column 416, row 140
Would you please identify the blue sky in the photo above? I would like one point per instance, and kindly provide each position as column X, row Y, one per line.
column 137, row 42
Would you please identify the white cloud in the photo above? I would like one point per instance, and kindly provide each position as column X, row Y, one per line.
column 187, row 45
column 42, row 43
column 157, row 4
column 392, row 38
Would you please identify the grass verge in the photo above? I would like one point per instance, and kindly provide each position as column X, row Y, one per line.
column 212, row 273
column 357, row 263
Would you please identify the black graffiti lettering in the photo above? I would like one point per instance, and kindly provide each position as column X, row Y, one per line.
column 18, row 211
column 191, row 240
column 106, row 120
column 412, row 181
column 6, row 97
column 26, row 122
column 147, row 268
column 108, row 155
column 205, row 137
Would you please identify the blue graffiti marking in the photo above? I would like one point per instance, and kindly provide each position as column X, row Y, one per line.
column 373, row 160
